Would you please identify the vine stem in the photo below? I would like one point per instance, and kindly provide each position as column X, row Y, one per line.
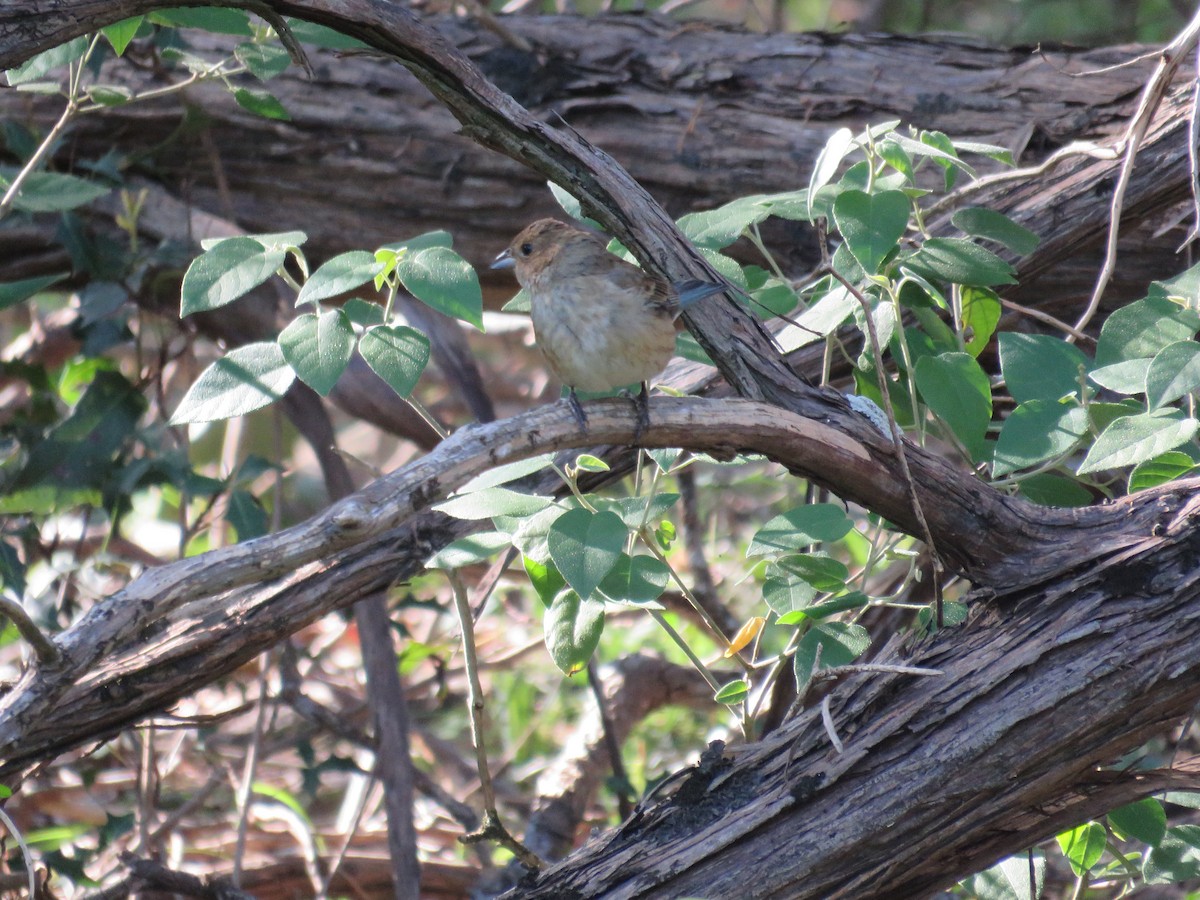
column 898, row 443
column 492, row 827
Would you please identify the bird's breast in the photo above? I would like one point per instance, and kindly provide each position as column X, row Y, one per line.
column 598, row 339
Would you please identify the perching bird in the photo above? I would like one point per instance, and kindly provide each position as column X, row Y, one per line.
column 602, row 323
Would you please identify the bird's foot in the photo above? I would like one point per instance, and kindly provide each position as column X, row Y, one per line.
column 577, row 410
column 641, row 404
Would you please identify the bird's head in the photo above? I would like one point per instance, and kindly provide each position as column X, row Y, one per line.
column 538, row 245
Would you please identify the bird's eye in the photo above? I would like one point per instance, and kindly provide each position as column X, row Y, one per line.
column 526, row 249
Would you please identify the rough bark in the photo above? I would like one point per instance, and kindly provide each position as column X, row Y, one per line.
column 1081, row 646
column 699, row 114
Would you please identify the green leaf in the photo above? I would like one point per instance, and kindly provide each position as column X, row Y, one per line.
column 774, row 299
column 519, row 303
column 261, row 103
column 109, row 95
column 716, row 229
column 508, row 472
column 841, row 643
column 246, row 515
column 494, row 501
column 585, row 462
column 961, row 262
column 363, row 312
column 939, row 141
column 1046, row 489
column 1008, row 879
column 957, row 390
column 798, row 528
column 242, row 381
column 397, row 354
column 853, row 600
column 637, row 511
column 991, row 151
column 585, row 546
column 1143, row 820
column 424, row 241
column 320, row 36
column 440, row 278
column 1104, row 414
column 1184, row 287
column 342, row 273
column 547, row 581
column 12, row 571
column 1173, row 373
column 14, row 292
column 872, row 224
column 1176, row 858
column 638, row 580
column 469, row 550
column 219, row 21
column 530, row 533
column 264, row 61
column 119, row 34
column 569, row 204
column 53, row 191
column 1126, row 377
column 734, row 692
column 44, row 63
column 1037, row 431
column 1039, row 367
column 840, row 143
column 231, row 269
column 278, row 240
column 896, row 157
column 573, row 628
column 1083, row 846
column 823, row 572
column 980, row 315
column 1133, row 439
column 1163, row 468
column 788, row 595
column 932, row 150
column 318, row 348
column 1144, row 328
column 820, row 319
column 981, row 222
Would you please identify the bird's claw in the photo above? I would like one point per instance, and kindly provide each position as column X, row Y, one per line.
column 641, row 405
column 577, row 410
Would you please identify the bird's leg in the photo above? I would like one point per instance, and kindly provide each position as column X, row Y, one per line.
column 641, row 403
column 577, row 409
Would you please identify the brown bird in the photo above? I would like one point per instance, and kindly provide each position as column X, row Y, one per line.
column 602, row 323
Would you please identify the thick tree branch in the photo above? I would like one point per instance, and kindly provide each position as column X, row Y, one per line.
column 135, row 652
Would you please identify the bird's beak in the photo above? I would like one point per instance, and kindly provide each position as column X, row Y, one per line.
column 503, row 261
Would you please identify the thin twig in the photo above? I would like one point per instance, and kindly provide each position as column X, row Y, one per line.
column 1046, row 319
column 827, row 721
column 1152, row 94
column 46, row 650
column 835, row 672
column 898, row 442
column 246, row 789
column 616, row 763
column 492, row 827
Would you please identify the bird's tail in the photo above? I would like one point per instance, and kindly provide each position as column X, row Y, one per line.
column 690, row 292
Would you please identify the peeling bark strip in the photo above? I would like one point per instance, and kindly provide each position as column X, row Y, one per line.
column 1085, row 648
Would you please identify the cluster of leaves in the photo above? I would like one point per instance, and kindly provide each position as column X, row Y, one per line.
column 1133, row 845
column 317, row 345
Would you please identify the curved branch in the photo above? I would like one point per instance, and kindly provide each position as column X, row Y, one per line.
column 134, row 653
